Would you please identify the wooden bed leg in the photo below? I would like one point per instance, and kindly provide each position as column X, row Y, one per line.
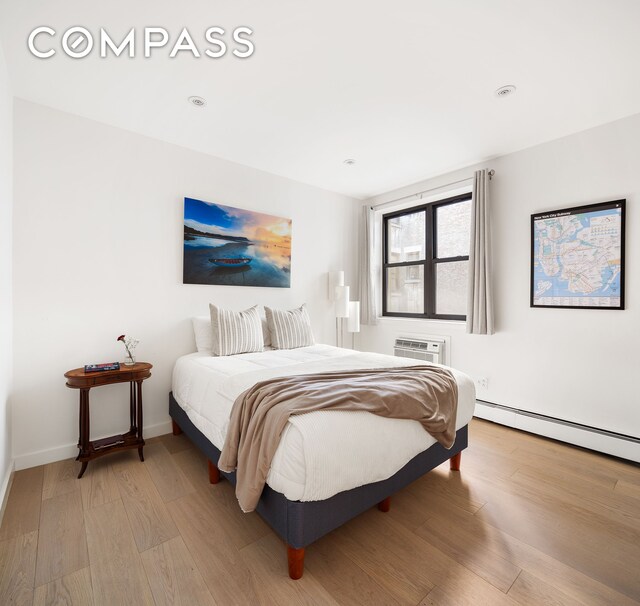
column 214, row 473
column 296, row 562
column 176, row 428
column 454, row 462
column 385, row 505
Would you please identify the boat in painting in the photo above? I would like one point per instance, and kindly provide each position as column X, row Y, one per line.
column 231, row 262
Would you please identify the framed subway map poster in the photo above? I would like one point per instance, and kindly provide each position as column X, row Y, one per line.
column 577, row 257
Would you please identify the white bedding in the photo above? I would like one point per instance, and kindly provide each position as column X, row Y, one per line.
column 309, row 463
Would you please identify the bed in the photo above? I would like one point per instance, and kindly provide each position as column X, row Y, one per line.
column 309, row 490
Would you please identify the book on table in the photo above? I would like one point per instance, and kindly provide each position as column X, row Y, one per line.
column 102, row 367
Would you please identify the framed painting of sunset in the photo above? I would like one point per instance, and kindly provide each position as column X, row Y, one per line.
column 235, row 247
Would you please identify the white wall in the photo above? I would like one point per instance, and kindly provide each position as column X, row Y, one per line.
column 98, row 252
column 578, row 365
column 6, row 296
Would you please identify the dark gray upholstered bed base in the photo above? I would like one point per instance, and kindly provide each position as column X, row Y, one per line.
column 301, row 523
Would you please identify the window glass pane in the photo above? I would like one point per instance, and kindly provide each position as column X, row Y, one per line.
column 451, row 288
column 453, row 223
column 405, row 238
column 405, row 289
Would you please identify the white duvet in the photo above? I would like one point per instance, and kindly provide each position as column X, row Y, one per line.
column 309, row 464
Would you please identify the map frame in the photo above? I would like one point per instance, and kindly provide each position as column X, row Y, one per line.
column 586, row 209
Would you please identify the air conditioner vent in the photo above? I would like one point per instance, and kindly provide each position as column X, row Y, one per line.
column 428, row 350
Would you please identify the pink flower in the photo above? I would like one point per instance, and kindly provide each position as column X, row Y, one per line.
column 129, row 344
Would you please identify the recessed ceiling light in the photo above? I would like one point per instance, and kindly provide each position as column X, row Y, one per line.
column 198, row 101
column 505, row 91
column 349, row 161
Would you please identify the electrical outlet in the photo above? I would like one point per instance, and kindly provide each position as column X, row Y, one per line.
column 483, row 382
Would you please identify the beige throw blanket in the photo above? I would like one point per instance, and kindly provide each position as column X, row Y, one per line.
column 428, row 394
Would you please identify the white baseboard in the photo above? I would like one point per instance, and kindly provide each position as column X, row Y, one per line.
column 5, row 488
column 560, row 430
column 68, row 451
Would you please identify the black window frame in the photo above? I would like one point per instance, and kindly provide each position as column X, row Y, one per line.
column 429, row 263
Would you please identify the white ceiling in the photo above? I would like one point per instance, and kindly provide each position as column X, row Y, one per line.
column 405, row 87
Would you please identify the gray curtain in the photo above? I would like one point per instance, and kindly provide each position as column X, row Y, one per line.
column 480, row 295
column 366, row 268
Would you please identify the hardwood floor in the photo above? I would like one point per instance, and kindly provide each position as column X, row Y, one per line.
column 526, row 521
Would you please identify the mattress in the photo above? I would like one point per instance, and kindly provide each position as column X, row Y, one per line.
column 309, row 464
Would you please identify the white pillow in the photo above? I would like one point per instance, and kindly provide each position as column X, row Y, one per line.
column 289, row 328
column 266, row 333
column 236, row 332
column 202, row 333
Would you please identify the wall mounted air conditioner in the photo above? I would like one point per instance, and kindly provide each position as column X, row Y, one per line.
column 429, row 350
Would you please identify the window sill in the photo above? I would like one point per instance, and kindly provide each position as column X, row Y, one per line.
column 393, row 320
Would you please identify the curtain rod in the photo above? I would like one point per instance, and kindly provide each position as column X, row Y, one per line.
column 419, row 194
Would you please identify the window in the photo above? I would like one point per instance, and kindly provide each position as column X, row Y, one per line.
column 426, row 260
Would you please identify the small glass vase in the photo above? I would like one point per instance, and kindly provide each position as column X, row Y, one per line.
column 129, row 359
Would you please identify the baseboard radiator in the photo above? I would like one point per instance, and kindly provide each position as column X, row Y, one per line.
column 428, row 350
column 594, row 438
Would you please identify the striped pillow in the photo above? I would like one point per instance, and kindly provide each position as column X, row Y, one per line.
column 236, row 332
column 289, row 329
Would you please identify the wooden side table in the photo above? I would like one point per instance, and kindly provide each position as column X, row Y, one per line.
column 134, row 375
